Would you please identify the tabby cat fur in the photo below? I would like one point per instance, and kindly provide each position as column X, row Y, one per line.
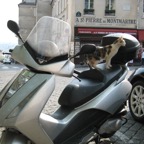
column 104, row 53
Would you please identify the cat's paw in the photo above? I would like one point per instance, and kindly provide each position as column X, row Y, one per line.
column 108, row 66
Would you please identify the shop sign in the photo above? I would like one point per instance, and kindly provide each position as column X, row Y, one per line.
column 105, row 31
column 93, row 20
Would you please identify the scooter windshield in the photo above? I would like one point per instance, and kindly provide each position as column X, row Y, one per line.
column 50, row 37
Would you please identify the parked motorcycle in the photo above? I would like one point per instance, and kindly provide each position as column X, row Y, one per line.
column 91, row 105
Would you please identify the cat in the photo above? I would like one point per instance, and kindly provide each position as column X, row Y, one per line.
column 104, row 53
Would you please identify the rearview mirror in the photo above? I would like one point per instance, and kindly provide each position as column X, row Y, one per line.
column 86, row 49
column 13, row 26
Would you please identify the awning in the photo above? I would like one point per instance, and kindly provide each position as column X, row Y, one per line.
column 105, row 31
column 141, row 35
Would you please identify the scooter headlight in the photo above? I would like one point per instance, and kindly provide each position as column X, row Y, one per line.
column 23, row 78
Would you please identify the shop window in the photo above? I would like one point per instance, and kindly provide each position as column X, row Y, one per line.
column 110, row 8
column 89, row 7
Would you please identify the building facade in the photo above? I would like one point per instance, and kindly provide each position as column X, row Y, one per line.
column 96, row 18
column 30, row 11
column 90, row 20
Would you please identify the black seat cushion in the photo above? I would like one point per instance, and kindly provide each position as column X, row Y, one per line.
column 93, row 74
column 92, row 83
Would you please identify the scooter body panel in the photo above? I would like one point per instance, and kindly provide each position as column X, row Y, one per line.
column 9, row 137
column 112, row 98
column 39, row 127
column 82, row 123
column 21, row 111
column 98, row 109
column 63, row 68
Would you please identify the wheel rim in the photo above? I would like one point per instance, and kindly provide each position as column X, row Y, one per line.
column 137, row 101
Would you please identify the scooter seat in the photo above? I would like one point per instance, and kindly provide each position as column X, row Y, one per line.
column 92, row 82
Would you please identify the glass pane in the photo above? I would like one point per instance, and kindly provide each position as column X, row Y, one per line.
column 91, row 4
column 112, row 4
column 107, row 5
column 86, row 4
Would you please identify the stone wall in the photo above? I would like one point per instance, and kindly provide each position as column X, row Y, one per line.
column 29, row 14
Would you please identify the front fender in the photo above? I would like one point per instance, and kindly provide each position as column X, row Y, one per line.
column 10, row 137
column 137, row 73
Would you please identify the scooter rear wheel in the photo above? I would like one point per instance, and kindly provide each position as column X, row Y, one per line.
column 136, row 101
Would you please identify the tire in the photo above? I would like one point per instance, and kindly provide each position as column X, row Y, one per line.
column 136, row 101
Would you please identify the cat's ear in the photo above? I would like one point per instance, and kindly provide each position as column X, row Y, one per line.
column 121, row 37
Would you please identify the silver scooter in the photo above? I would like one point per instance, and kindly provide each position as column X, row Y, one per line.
column 91, row 105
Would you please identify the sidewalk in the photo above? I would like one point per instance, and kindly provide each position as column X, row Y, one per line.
column 130, row 133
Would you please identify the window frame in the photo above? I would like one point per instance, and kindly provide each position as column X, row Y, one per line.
column 89, row 7
column 110, row 8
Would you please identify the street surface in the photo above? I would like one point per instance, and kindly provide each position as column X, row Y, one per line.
column 131, row 133
column 10, row 67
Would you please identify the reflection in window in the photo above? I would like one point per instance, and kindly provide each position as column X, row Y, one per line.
column 89, row 4
column 110, row 8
